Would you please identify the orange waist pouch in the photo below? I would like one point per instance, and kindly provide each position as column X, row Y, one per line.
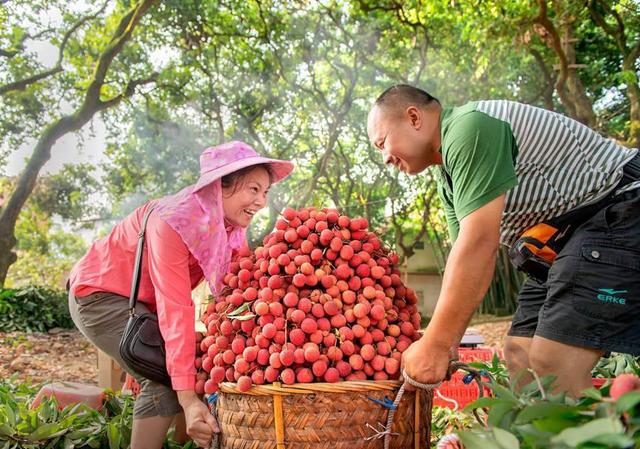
column 537, row 248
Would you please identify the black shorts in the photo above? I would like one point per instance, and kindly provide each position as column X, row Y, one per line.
column 592, row 295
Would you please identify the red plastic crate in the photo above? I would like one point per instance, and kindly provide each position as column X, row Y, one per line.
column 131, row 386
column 467, row 355
column 454, row 392
column 68, row 393
column 598, row 382
column 462, row 394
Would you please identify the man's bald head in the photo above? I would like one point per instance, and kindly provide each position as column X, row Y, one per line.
column 398, row 98
column 404, row 124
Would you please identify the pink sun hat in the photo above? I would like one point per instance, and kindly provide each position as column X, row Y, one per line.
column 221, row 160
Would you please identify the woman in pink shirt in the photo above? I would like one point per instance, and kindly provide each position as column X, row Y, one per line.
column 190, row 236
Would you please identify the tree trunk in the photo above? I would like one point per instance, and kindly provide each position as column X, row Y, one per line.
column 70, row 123
column 583, row 111
column 568, row 84
column 549, row 81
column 24, row 187
column 630, row 56
column 633, row 93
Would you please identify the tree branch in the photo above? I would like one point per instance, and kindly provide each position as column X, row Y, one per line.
column 26, row 82
column 8, row 53
column 57, row 68
column 123, row 33
column 616, row 32
column 634, row 54
column 547, row 90
column 556, row 43
column 129, row 90
column 20, row 46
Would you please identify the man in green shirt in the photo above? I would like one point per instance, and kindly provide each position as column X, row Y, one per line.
column 504, row 167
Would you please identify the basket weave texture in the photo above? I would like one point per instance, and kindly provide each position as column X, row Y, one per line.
column 321, row 416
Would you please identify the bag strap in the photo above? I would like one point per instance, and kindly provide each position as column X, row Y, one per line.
column 631, row 170
column 137, row 268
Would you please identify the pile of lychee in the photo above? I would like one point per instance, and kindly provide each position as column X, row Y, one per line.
column 321, row 301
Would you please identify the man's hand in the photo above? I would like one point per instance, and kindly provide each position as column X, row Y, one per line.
column 425, row 363
column 466, row 279
column 201, row 425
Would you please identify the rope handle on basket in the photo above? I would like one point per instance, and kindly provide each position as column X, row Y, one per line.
column 453, row 367
column 211, row 402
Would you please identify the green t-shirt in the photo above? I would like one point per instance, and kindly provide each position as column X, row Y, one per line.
column 478, row 154
column 560, row 164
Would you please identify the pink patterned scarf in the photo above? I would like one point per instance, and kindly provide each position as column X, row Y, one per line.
column 199, row 220
column 196, row 212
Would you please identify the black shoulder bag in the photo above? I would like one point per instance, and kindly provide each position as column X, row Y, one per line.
column 142, row 345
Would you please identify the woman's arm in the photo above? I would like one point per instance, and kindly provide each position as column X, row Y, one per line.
column 168, row 259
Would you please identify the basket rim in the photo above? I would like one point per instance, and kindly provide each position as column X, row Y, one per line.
column 347, row 386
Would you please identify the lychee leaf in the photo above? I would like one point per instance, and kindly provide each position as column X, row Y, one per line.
column 592, row 393
column 613, row 441
column 478, row 440
column 553, row 425
column 243, row 317
column 243, row 308
column 628, row 401
column 505, row 439
column 575, row 436
column 483, row 402
column 546, row 410
column 6, row 431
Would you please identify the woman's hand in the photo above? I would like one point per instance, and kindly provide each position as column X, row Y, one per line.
column 201, row 425
column 425, row 363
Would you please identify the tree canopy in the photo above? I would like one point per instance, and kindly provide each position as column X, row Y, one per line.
column 294, row 79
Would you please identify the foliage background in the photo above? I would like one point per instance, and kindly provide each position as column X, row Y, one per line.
column 165, row 79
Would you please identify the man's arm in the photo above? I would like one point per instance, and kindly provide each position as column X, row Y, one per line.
column 467, row 276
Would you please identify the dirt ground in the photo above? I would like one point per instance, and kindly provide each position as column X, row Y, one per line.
column 493, row 329
column 67, row 355
column 44, row 357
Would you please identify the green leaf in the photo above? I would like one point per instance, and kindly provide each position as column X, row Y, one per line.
column 507, row 440
column 45, row 411
column 9, row 414
column 533, row 388
column 243, row 308
column 553, row 425
column 628, row 401
column 501, row 414
column 483, row 402
column 478, row 440
column 47, row 431
column 6, row 430
column 68, row 443
column 113, row 435
column 628, row 77
column 503, row 392
column 578, row 435
column 546, row 410
column 80, row 433
column 531, row 436
column 592, row 393
column 613, row 440
column 243, row 317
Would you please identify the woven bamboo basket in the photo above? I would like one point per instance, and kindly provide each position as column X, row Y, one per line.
column 321, row 416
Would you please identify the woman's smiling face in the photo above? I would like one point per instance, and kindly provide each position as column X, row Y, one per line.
column 246, row 195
